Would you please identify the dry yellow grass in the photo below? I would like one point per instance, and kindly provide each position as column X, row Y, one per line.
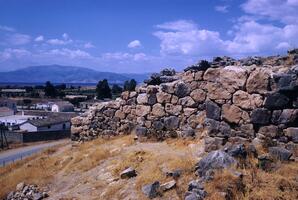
column 259, row 184
column 85, row 162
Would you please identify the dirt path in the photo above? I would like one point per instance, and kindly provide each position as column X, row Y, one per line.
column 13, row 155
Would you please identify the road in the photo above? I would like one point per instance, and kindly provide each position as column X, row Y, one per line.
column 22, row 152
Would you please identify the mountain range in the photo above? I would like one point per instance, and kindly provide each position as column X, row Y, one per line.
column 65, row 74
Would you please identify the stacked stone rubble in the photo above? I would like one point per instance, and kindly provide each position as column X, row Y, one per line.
column 227, row 99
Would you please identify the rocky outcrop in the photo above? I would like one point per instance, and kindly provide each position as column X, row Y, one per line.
column 24, row 191
column 228, row 99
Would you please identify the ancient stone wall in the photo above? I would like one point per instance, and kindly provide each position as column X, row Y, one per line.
column 252, row 99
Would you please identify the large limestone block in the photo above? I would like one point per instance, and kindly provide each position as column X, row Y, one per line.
column 217, row 92
column 142, row 99
column 233, row 114
column 198, row 95
column 163, row 97
column 258, row 81
column 158, row 110
column 233, row 78
column 212, row 74
column 187, row 102
column 245, row 100
column 142, row 110
column 173, row 109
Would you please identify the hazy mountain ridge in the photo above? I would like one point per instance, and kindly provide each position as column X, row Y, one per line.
column 65, row 74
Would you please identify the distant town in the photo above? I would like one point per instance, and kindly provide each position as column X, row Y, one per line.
column 40, row 112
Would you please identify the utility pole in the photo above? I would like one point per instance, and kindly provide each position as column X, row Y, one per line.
column 4, row 143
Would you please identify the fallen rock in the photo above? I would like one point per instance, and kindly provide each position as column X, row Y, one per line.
column 168, row 185
column 151, row 190
column 128, row 173
column 213, row 161
column 280, row 153
column 292, row 133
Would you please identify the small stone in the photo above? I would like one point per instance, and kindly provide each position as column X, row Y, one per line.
column 128, row 173
column 20, row 186
column 168, row 185
column 141, row 131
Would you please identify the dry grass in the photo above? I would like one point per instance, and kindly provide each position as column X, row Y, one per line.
column 151, row 161
column 37, row 169
column 259, row 185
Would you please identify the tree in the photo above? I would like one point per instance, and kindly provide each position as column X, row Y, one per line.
column 50, row 90
column 103, row 90
column 116, row 89
column 130, row 85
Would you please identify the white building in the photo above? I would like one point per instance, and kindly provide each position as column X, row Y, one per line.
column 62, row 106
column 14, row 120
column 40, row 125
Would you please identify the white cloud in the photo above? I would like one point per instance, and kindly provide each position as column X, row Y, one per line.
column 134, row 44
column 222, row 9
column 248, row 37
column 7, row 28
column 19, row 39
column 56, row 42
column 282, row 10
column 65, row 40
column 73, row 54
column 180, row 25
column 10, row 53
column 88, row 45
column 39, row 38
column 120, row 56
column 189, row 41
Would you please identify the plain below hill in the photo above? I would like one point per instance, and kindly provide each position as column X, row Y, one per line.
column 65, row 74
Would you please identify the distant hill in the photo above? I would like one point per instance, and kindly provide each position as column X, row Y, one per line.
column 65, row 74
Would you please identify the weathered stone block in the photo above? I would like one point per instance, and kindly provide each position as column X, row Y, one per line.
column 260, row 116
column 213, row 111
column 247, row 101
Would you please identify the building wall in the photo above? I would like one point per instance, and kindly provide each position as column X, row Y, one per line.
column 56, row 127
column 36, row 136
column 28, row 127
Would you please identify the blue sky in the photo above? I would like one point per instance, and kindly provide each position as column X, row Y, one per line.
column 141, row 35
